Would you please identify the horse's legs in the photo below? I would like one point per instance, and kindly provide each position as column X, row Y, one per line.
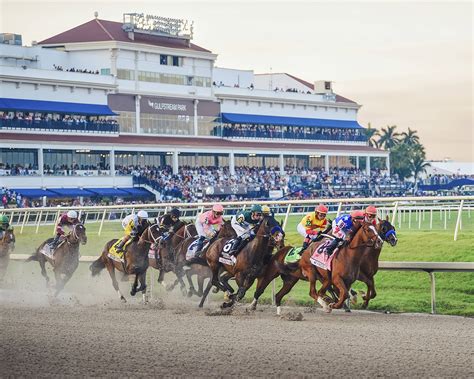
column 317, row 296
column 200, row 280
column 111, row 270
column 343, row 291
column 271, row 273
column 189, row 274
column 288, row 283
column 134, row 286
column 42, row 263
column 142, row 279
column 214, row 281
column 224, row 279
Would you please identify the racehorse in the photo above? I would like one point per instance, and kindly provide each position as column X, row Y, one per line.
column 198, row 266
column 7, row 244
column 249, row 262
column 345, row 268
column 168, row 250
column 135, row 261
column 370, row 260
column 66, row 256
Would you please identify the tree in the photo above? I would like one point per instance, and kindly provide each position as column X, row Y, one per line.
column 410, row 138
column 418, row 164
column 388, row 137
column 400, row 161
column 371, row 133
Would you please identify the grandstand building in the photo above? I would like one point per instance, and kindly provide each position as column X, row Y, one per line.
column 108, row 94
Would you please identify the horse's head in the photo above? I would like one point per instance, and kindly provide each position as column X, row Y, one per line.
column 270, row 227
column 78, row 234
column 387, row 232
column 8, row 239
column 151, row 234
column 365, row 235
column 226, row 231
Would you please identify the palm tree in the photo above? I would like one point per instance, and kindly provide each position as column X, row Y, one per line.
column 388, row 137
column 371, row 133
column 410, row 138
column 418, row 164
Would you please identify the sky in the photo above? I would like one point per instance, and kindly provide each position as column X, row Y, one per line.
column 407, row 63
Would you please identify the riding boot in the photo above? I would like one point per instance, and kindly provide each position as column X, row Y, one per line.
column 305, row 245
column 55, row 242
column 236, row 246
column 332, row 246
column 119, row 247
column 199, row 246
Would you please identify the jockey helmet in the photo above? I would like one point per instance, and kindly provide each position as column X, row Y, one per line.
column 256, row 208
column 175, row 212
column 71, row 214
column 357, row 214
column 4, row 219
column 371, row 210
column 266, row 209
column 321, row 208
column 218, row 208
column 142, row 214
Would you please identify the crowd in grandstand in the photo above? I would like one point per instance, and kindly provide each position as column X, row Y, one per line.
column 73, row 69
column 289, row 132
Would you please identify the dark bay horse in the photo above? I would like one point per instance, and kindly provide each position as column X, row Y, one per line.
column 65, row 259
column 7, row 244
column 249, row 262
column 168, row 251
column 136, row 261
column 370, row 260
column 199, row 266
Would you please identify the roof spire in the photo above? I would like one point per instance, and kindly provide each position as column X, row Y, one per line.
column 96, row 14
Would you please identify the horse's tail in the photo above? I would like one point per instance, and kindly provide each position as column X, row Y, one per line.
column 31, row 258
column 97, row 266
column 287, row 268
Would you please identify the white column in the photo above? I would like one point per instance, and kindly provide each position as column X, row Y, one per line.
column 326, row 163
column 367, row 165
column 112, row 162
column 40, row 161
column 388, row 163
column 232, row 163
column 282, row 165
column 175, row 162
column 196, row 102
column 357, row 162
column 137, row 114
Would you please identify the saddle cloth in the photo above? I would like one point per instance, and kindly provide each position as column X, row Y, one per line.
column 321, row 259
column 114, row 254
column 48, row 252
column 225, row 257
column 154, row 252
column 191, row 252
column 293, row 255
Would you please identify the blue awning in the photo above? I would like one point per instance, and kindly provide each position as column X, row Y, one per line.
column 34, row 192
column 107, row 192
column 71, row 192
column 55, row 106
column 238, row 118
column 137, row 192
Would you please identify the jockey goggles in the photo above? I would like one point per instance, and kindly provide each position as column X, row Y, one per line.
column 218, row 213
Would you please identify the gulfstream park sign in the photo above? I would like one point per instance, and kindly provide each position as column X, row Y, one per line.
column 167, row 106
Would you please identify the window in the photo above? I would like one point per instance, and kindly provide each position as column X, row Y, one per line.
column 105, row 71
column 163, row 60
column 189, row 80
column 175, row 61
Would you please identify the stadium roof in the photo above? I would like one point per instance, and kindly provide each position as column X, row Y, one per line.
column 98, row 30
column 188, row 142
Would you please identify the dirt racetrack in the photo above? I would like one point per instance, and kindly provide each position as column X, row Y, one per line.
column 168, row 338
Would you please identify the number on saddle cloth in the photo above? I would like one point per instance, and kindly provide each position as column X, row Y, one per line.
column 228, row 247
column 323, row 247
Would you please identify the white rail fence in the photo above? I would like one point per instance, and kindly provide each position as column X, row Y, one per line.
column 404, row 212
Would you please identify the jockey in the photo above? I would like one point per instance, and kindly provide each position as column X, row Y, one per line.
column 170, row 222
column 371, row 215
column 313, row 224
column 243, row 223
column 208, row 225
column 133, row 225
column 66, row 220
column 266, row 211
column 4, row 225
column 342, row 226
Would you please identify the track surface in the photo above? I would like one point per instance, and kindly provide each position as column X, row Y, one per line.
column 172, row 339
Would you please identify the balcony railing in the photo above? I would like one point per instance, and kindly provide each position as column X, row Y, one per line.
column 70, row 126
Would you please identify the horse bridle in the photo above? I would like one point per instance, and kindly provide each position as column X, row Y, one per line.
column 74, row 234
column 151, row 234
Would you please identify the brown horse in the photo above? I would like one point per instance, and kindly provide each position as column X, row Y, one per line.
column 199, row 266
column 345, row 269
column 249, row 262
column 65, row 259
column 136, row 261
column 370, row 260
column 168, row 251
column 7, row 244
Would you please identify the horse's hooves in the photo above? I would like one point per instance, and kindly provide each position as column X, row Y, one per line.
column 132, row 293
column 348, row 310
column 215, row 290
column 123, row 300
column 227, row 305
